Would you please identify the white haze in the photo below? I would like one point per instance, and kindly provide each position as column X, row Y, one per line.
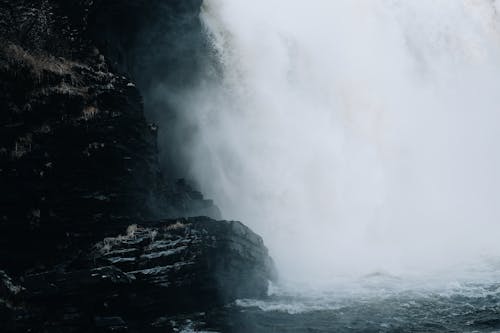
column 355, row 136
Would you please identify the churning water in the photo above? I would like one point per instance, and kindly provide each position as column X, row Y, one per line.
column 373, row 303
column 361, row 139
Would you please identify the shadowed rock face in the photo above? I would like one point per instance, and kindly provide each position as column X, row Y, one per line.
column 162, row 44
column 200, row 255
column 79, row 166
column 76, row 152
column 150, row 271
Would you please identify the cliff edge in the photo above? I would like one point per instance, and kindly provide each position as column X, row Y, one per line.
column 97, row 236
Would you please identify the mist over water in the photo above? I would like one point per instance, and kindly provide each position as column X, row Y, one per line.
column 354, row 136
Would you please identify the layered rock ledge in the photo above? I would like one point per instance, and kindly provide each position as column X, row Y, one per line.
column 136, row 279
column 97, row 234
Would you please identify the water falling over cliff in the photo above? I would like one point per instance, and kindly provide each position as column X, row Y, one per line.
column 355, row 136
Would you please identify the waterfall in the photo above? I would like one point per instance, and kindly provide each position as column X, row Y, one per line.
column 354, row 135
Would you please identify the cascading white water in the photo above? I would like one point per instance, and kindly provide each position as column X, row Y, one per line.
column 354, row 135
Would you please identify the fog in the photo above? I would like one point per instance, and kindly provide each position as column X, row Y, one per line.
column 356, row 136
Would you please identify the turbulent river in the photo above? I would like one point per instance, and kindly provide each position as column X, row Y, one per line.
column 361, row 139
column 375, row 303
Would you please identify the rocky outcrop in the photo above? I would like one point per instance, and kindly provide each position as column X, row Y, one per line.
column 198, row 257
column 163, row 46
column 131, row 281
column 76, row 152
column 96, row 236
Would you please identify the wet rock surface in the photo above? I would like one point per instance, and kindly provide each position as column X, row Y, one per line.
column 220, row 260
column 131, row 281
column 76, row 152
column 96, row 236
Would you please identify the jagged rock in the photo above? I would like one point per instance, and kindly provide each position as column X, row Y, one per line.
column 79, row 166
column 76, row 152
column 162, row 44
column 220, row 259
column 151, row 270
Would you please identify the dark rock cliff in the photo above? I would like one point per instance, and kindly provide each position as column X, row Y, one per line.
column 161, row 44
column 79, row 166
column 137, row 279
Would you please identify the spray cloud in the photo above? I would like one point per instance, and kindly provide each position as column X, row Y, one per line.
column 353, row 135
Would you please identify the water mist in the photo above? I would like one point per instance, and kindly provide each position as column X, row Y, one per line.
column 355, row 136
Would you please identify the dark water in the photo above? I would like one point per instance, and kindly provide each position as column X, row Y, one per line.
column 378, row 304
column 399, row 314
